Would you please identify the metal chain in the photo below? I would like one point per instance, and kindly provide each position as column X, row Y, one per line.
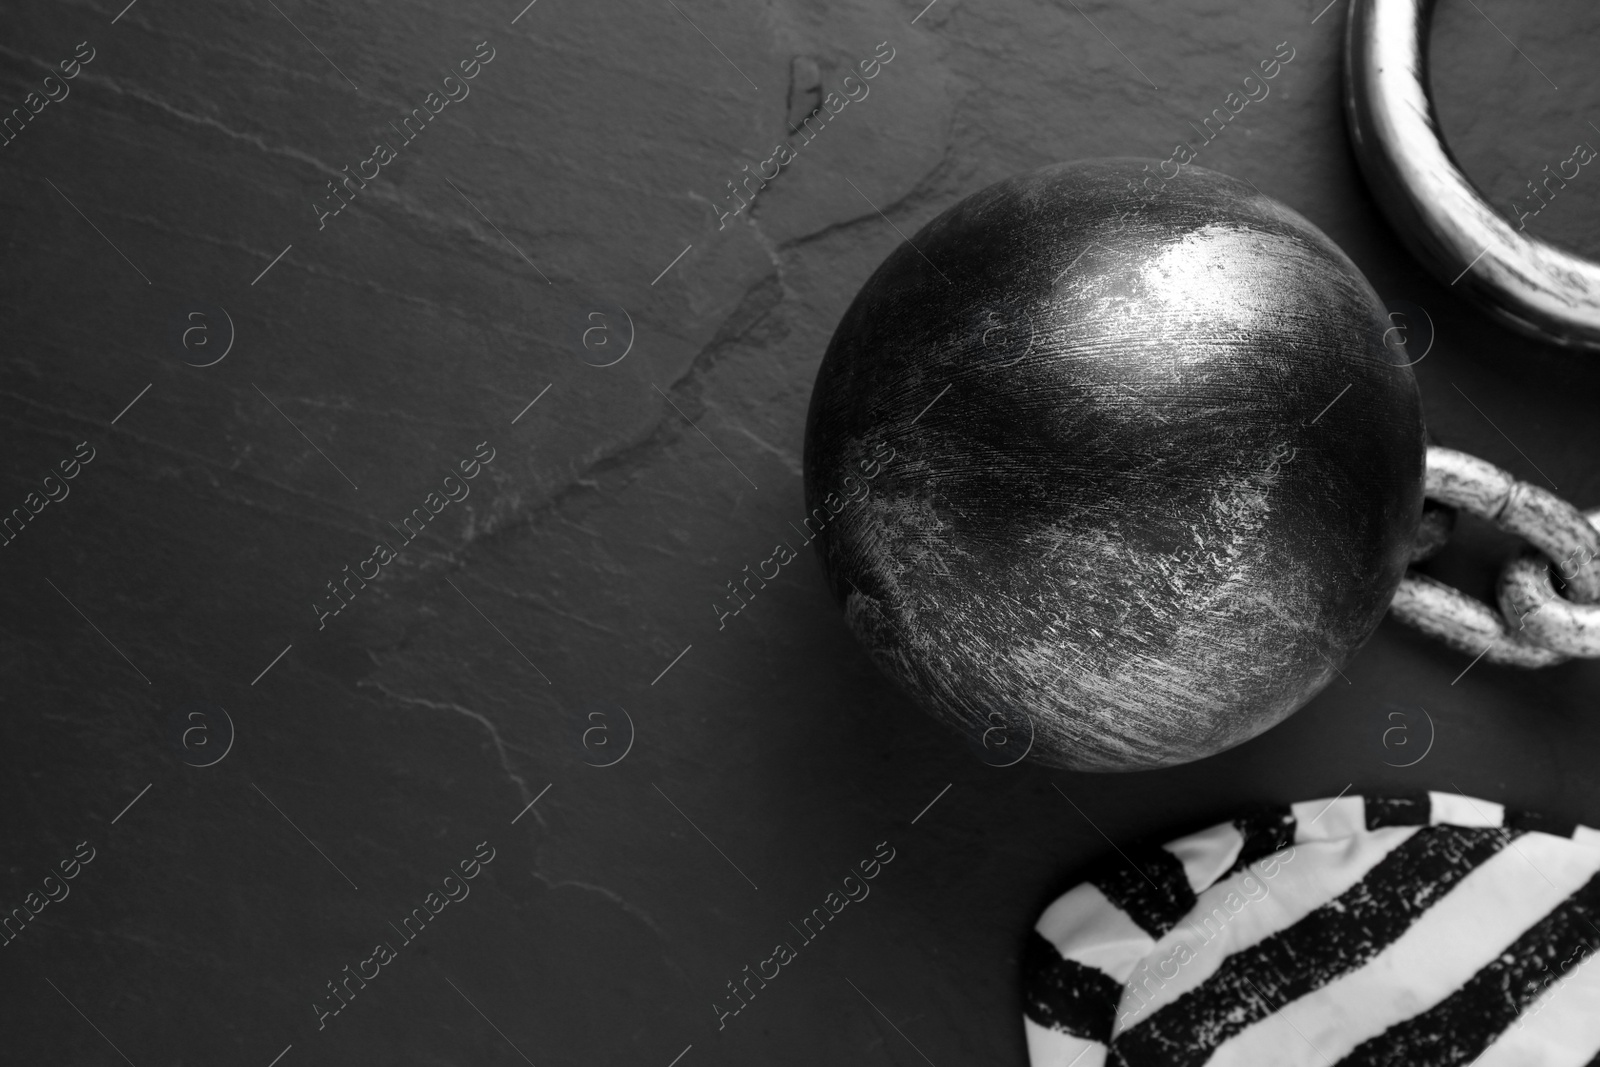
column 1535, row 626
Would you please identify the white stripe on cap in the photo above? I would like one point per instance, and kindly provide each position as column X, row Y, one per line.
column 1206, row 856
column 1457, row 810
column 1468, row 928
column 1583, row 835
column 1052, row 1048
column 1329, row 818
column 1086, row 927
column 1306, row 877
column 1560, row 1029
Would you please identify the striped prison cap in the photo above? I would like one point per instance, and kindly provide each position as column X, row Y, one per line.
column 1411, row 931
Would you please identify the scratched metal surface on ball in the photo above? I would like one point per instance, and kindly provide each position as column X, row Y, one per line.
column 1168, row 482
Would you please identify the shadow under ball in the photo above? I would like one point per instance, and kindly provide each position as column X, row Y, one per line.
column 1167, row 483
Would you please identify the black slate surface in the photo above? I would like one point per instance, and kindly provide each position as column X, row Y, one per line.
column 540, row 612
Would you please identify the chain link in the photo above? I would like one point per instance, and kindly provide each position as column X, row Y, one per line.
column 1536, row 626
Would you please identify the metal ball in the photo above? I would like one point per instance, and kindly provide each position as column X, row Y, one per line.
column 1122, row 466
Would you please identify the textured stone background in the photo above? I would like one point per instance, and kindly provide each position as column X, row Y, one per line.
column 409, row 330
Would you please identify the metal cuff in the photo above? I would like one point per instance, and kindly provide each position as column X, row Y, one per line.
column 1529, row 284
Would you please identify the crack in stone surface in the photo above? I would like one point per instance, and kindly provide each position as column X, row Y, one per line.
column 476, row 716
column 611, row 895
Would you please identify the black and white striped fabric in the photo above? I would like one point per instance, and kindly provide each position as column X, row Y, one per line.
column 1411, row 931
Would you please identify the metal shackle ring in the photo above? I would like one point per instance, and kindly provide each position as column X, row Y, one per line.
column 1530, row 284
column 1549, row 627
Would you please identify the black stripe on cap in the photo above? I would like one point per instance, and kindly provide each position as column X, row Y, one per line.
column 1066, row 995
column 1154, row 891
column 1341, row 936
column 1413, row 810
column 1535, row 821
column 1460, row 1027
column 1265, row 831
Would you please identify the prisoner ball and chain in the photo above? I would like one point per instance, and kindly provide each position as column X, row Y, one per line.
column 1535, row 625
